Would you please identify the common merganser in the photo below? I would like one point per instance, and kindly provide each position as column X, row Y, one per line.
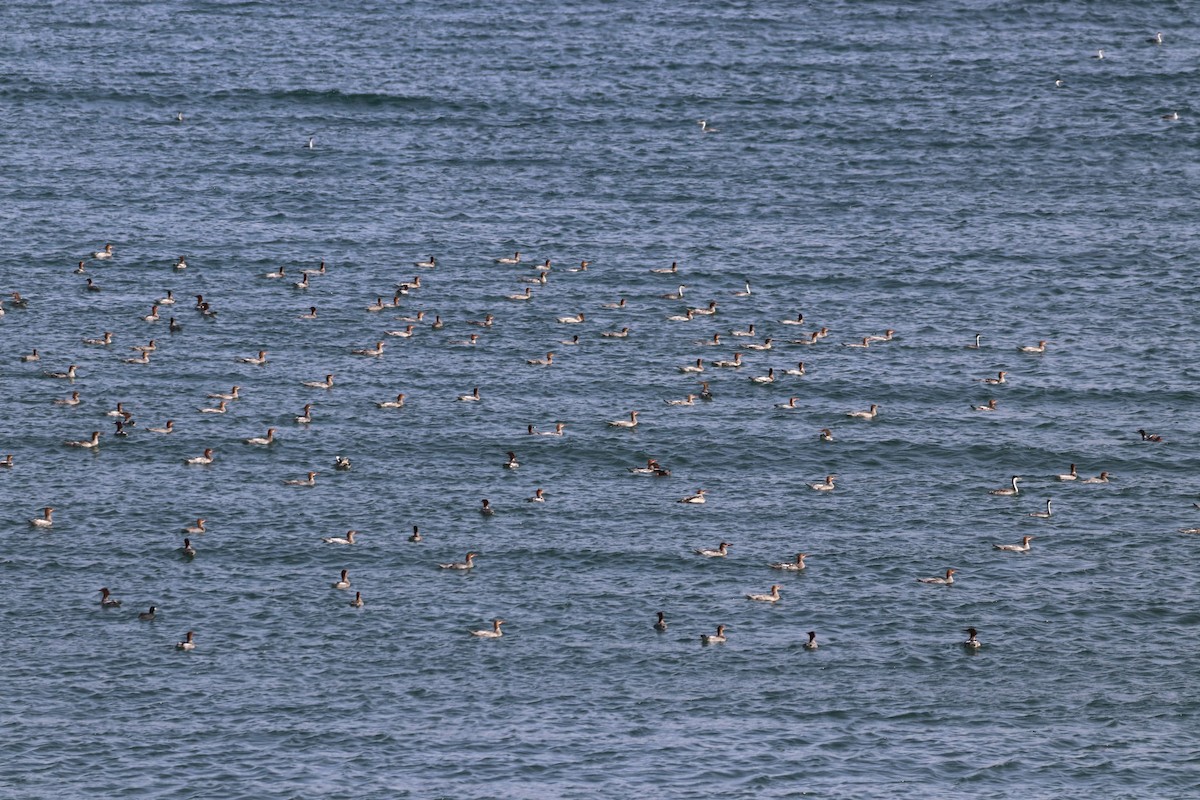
column 168, row 428
column 357, row 602
column 991, row 406
column 263, row 440
column 487, row 321
column 1040, row 348
column 73, row 400
column 773, row 597
column 764, row 379
column 827, row 486
column 486, row 509
column 687, row 317
column 207, row 458
column 187, row 644
column 232, row 395
column 798, row 370
column 799, row 320
column 377, row 350
column 93, row 442
column 30, row 357
column 721, row 551
column 574, row 340
column 811, row 644
column 625, row 423
column 825, row 435
column 660, row 624
column 583, row 265
column 887, row 336
column 748, row 331
column 415, row 536
column 397, row 403
column 696, row 498
column 70, row 375
column 866, row 342
column 169, row 300
column 6, row 462
column 46, row 520
column 494, row 633
column 429, row 264
column 471, row 340
column 1070, row 476
column 1007, row 492
column 341, row 463
column 302, row 283
column 196, row 529
column 107, row 252
column 619, row 304
column 705, row 393
column 311, row 480
column 871, row 414
column 541, row 362
column 320, row 270
column 312, row 313
column 79, row 270
column 103, row 341
column 516, row 259
column 280, row 273
column 528, row 295
column 697, row 367
column 187, row 551
column 512, row 461
column 1042, row 514
column 652, row 468
column 378, row 305
column 946, row 581
column 707, row 311
column 790, row 566
column 343, row 582
column 220, row 409
column 260, row 359
column 18, row 301
column 1101, row 478
column 971, row 643
column 1023, row 547
column 539, row 496
column 149, row 347
column 325, row 384
column 144, row 358
column 1149, row 437
column 148, row 616
column 107, row 600
column 715, row 341
column 575, row 320
column 718, row 638
column 766, row 344
column 347, row 539
column 473, row 397
column 996, row 381
column 305, row 415
column 813, row 338
column 690, row 400
column 975, row 346
column 736, row 363
column 671, row 270
column 468, row 562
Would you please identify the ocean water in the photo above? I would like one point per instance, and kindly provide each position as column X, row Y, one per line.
column 875, row 165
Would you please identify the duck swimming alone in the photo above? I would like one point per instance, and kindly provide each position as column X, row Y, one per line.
column 661, row 624
column 347, row 539
column 721, row 551
column 468, row 562
column 826, row 486
column 493, row 633
column 197, row 528
column 871, row 414
column 971, row 643
column 207, row 458
column 718, row 638
column 311, row 480
column 811, row 644
column 44, row 521
column 189, row 643
column 1023, row 547
column 107, row 600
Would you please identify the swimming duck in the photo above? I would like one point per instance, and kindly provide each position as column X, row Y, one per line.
column 1101, row 478
column 516, row 259
column 512, row 461
column 30, row 357
column 260, row 359
column 718, row 638
column 105, row 340
column 46, row 520
column 197, row 528
column 70, row 375
column 1023, row 547
column 188, row 643
column 263, row 440
column 721, row 551
column 690, row 400
column 1000, row 378
column 811, row 644
column 468, row 562
column 219, row 409
column 671, row 270
column 541, row 362
column 695, row 499
column 946, row 581
column 625, row 423
column 207, row 458
column 73, row 400
column 343, row 582
column 188, row 551
column 305, row 415
column 357, row 602
column 773, row 597
column 107, row 252
column 397, row 403
column 341, row 463
column 827, row 486
column 1039, row 348
column 798, row 370
column 825, row 435
column 762, row 380
column 168, row 428
column 107, row 600
column 527, row 295
column 870, row 414
column 539, row 496
column 493, row 633
column 377, row 350
column 1149, row 437
column 791, row 566
column 975, row 346
column 90, row 443
column 311, row 480
column 148, row 616
column 415, row 536
column 661, row 624
column 347, row 539
column 991, row 406
column 1070, row 476
column 325, row 384
column 697, row 367
column 486, row 508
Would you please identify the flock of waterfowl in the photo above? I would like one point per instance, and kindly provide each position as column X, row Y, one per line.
column 748, row 343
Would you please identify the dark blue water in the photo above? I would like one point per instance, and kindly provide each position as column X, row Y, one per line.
column 874, row 166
